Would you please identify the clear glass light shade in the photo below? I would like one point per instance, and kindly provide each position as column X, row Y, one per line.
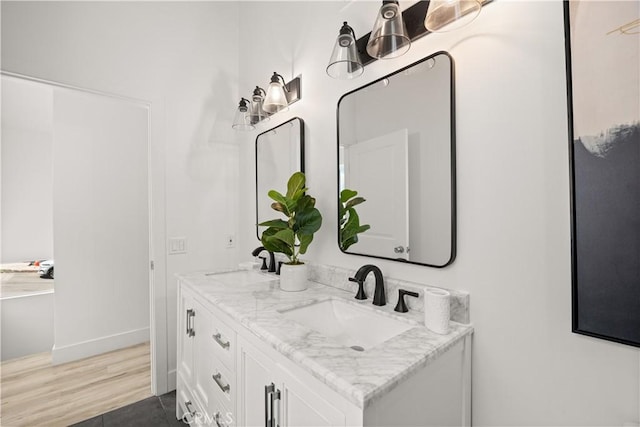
column 448, row 15
column 275, row 100
column 345, row 62
column 242, row 119
column 257, row 111
column 389, row 37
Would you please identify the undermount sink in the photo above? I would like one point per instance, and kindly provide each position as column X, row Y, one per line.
column 360, row 328
column 240, row 277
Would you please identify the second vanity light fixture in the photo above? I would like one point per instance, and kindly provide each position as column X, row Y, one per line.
column 278, row 96
column 394, row 31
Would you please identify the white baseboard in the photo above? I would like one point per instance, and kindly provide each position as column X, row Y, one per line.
column 69, row 353
column 172, row 380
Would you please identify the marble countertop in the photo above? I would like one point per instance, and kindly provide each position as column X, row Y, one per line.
column 253, row 300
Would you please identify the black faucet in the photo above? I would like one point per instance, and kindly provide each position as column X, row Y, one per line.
column 379, row 296
column 401, row 307
column 272, row 259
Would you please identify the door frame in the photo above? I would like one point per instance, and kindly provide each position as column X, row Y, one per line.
column 158, row 330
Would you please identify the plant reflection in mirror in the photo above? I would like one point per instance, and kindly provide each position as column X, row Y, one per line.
column 349, row 220
column 293, row 236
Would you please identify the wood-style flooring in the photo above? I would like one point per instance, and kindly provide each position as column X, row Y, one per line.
column 35, row 393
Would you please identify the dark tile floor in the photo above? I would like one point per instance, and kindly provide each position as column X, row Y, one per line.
column 156, row 411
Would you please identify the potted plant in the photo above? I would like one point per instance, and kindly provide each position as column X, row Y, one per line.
column 349, row 220
column 292, row 236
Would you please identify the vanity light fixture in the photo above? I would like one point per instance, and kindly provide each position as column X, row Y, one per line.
column 257, row 110
column 389, row 37
column 280, row 94
column 417, row 21
column 449, row 15
column 345, row 61
column 242, row 120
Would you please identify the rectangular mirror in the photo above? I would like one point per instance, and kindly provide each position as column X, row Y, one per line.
column 396, row 149
column 279, row 153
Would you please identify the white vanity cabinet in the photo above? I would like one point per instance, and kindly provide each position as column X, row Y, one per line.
column 229, row 375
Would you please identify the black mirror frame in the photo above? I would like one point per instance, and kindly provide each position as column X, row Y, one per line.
column 452, row 112
column 302, row 169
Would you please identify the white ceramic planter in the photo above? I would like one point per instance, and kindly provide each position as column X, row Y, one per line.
column 293, row 278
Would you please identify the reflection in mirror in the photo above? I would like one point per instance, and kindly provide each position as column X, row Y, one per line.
column 279, row 153
column 396, row 149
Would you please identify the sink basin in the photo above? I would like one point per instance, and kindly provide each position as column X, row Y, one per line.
column 241, row 277
column 360, row 328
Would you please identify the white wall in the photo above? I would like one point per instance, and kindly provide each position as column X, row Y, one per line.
column 101, row 224
column 27, row 217
column 27, row 325
column 513, row 198
column 183, row 58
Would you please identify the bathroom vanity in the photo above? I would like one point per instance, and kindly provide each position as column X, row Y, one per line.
column 252, row 355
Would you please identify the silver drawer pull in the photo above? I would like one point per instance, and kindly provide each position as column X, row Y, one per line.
column 224, row 387
column 217, row 418
column 188, row 405
column 218, row 338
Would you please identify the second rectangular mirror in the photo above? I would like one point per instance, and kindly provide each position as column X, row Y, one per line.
column 279, row 153
column 396, row 149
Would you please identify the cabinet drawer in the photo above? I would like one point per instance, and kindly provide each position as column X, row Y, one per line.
column 223, row 384
column 224, row 343
column 188, row 408
column 221, row 415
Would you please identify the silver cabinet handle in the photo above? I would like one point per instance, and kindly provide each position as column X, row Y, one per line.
column 271, row 394
column 398, row 249
column 224, row 387
column 276, row 408
column 218, row 338
column 216, row 418
column 191, row 313
column 268, row 400
column 188, row 404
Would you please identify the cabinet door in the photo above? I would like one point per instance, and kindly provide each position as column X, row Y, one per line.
column 297, row 404
column 303, row 407
column 255, row 372
column 186, row 318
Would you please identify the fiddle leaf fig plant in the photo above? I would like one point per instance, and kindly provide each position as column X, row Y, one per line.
column 293, row 235
column 349, row 220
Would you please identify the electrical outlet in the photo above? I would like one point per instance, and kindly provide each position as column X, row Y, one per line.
column 177, row 245
column 231, row 241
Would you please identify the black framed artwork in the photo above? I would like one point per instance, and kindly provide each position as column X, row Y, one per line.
column 603, row 82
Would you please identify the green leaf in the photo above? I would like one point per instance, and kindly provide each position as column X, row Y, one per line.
column 346, row 194
column 354, row 219
column 295, row 185
column 350, row 232
column 305, row 203
column 277, row 206
column 308, row 222
column 305, row 241
column 354, row 202
column 348, row 242
column 275, row 223
column 285, row 202
column 275, row 244
column 287, row 236
column 277, row 196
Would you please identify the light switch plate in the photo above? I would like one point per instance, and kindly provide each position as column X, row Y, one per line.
column 177, row 245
